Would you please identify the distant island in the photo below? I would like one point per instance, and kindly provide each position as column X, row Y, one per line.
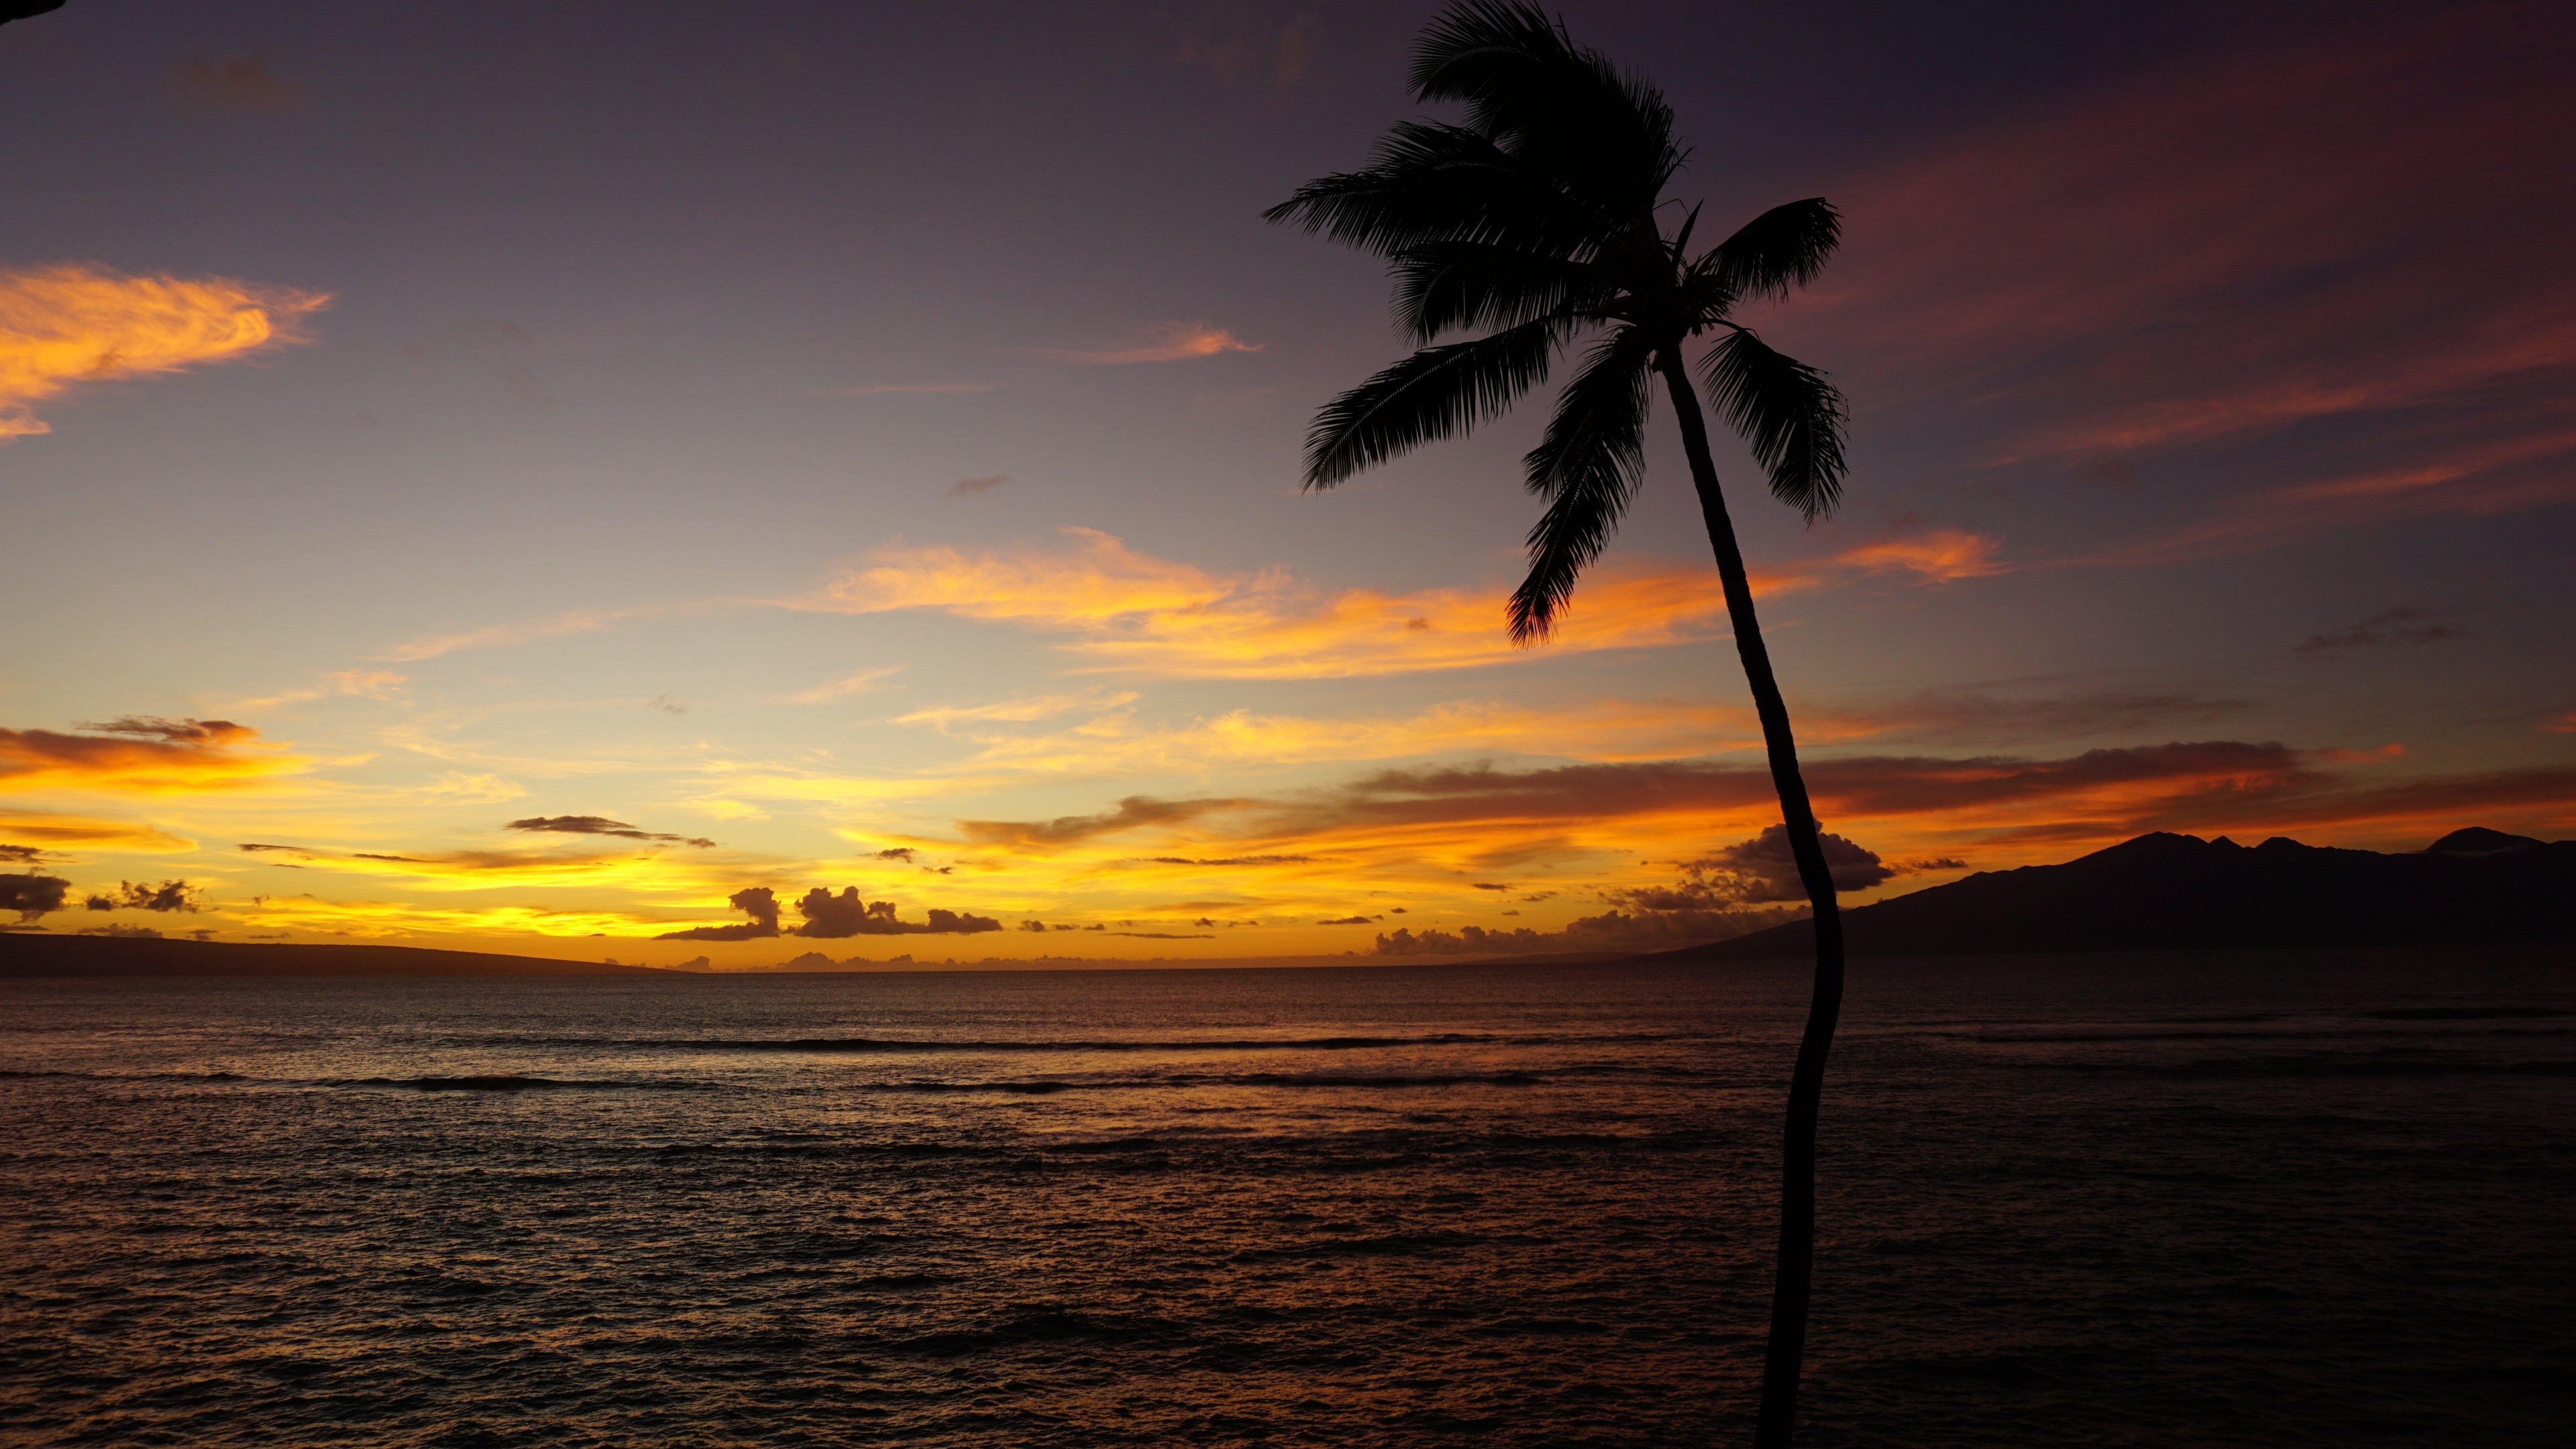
column 2165, row 892
column 2158, row 892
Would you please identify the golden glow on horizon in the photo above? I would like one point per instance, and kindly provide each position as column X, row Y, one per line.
column 64, row 325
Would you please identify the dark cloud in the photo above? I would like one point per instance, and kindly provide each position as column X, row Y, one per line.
column 124, row 933
column 2402, row 625
column 600, row 825
column 1345, row 921
column 23, row 854
column 1132, row 812
column 1611, row 931
column 1163, row 935
column 2170, row 775
column 757, row 902
column 1762, row 869
column 254, row 846
column 666, row 704
column 831, row 917
column 966, row 487
column 1037, row 926
column 236, row 83
column 1489, row 885
column 169, row 895
column 900, row 852
column 1231, row 860
column 175, row 731
column 32, row 895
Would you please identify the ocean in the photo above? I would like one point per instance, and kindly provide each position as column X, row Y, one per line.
column 2282, row 1199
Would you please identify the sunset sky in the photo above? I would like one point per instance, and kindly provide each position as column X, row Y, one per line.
column 518, row 477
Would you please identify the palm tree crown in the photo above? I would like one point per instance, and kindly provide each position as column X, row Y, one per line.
column 1537, row 221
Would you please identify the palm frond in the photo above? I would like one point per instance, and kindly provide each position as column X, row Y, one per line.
column 1790, row 414
column 1428, row 182
column 1783, row 247
column 1450, row 285
column 1603, row 132
column 1588, row 467
column 1438, row 392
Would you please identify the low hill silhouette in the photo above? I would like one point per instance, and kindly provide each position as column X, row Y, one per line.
column 25, row 953
column 2166, row 892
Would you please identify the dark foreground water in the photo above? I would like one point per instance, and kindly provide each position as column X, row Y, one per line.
column 2143, row 1200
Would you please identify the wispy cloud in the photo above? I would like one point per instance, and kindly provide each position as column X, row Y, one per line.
column 967, row 487
column 2259, row 247
column 2402, row 625
column 382, row 685
column 68, row 325
column 2472, row 480
column 1132, row 611
column 1176, row 342
column 556, row 626
column 856, row 682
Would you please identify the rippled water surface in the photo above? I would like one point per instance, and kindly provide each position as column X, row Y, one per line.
column 2144, row 1200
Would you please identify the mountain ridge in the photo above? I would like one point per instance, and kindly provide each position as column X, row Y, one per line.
column 2165, row 892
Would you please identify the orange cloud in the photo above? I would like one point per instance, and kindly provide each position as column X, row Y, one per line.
column 140, row 756
column 64, row 325
column 73, row 832
column 1937, row 556
column 1175, row 343
column 1132, row 611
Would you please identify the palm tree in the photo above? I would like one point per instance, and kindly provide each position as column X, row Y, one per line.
column 1539, row 223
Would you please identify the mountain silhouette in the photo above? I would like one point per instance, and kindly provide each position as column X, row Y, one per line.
column 34, row 954
column 2166, row 892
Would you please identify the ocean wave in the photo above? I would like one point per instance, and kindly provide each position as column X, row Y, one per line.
column 2326, row 1066
column 2466, row 1013
column 869, row 1045
column 1048, row 1085
column 512, row 1082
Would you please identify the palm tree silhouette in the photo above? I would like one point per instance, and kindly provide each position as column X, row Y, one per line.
column 1538, row 223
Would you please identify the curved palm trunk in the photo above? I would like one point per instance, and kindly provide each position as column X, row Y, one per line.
column 1791, row 1284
